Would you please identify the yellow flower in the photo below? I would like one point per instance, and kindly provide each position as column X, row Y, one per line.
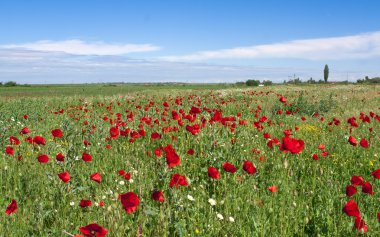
column 309, row 128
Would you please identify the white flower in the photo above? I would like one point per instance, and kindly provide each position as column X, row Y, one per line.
column 190, row 198
column 72, row 203
column 131, row 180
column 122, row 182
column 212, row 202
column 96, row 204
column 219, row 216
column 231, row 219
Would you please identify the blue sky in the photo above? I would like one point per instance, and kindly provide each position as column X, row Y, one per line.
column 187, row 40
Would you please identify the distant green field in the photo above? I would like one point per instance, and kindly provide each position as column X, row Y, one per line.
column 99, row 89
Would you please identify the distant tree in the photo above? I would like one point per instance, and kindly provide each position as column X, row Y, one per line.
column 375, row 80
column 252, row 82
column 267, row 82
column 366, row 78
column 297, row 81
column 10, row 83
column 326, row 73
column 311, row 81
column 1, row 83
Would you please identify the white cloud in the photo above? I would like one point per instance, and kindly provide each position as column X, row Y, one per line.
column 29, row 66
column 362, row 46
column 78, row 47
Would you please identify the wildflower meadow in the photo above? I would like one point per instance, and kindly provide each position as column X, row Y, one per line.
column 128, row 160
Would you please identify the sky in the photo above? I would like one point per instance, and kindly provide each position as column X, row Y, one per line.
column 201, row 41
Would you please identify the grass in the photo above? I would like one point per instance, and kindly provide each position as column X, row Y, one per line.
column 310, row 196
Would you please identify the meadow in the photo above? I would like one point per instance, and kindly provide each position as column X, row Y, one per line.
column 190, row 160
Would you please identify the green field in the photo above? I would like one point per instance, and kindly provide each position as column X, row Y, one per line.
column 234, row 125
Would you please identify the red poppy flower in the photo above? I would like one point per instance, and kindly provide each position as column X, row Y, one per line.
column 364, row 143
column 65, row 176
column 86, row 157
column 213, row 173
column 155, row 136
column 158, row 152
column 11, row 208
column 357, row 180
column 293, row 145
column 266, row 135
column 324, row 153
column 92, row 230
column 360, row 225
column 378, row 216
column 228, row 167
column 97, row 177
column 376, row 174
column 130, row 201
column 272, row 188
column 190, row 152
column 178, row 180
column 172, row 158
column 350, row 190
column 85, row 203
column 127, row 176
column 158, row 196
column 287, row 133
column 43, row 158
column 60, row 157
column 195, row 110
column 114, row 132
column 39, row 140
column 14, row 140
column 121, row 172
column 315, row 157
column 249, row 167
column 282, row 99
column 9, row 150
column 25, row 130
column 135, row 134
column 195, row 129
column 57, row 133
column 351, row 209
column 367, row 188
column 352, row 141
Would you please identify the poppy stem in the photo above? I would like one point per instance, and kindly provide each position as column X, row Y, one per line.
column 65, row 232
